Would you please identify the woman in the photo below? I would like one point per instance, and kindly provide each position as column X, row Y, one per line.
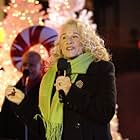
column 88, row 103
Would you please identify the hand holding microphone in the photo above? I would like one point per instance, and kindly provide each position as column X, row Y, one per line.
column 63, row 82
column 14, row 95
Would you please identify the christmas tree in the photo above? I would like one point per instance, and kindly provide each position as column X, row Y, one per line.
column 20, row 14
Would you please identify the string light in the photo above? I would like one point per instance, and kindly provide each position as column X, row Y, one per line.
column 21, row 14
column 2, row 35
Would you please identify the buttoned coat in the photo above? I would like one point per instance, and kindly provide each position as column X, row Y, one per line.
column 13, row 117
column 88, row 107
column 90, row 104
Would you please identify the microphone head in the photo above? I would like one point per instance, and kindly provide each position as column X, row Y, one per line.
column 63, row 65
column 26, row 72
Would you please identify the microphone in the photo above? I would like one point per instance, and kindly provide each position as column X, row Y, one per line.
column 26, row 73
column 64, row 68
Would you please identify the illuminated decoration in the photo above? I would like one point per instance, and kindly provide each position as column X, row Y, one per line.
column 2, row 34
column 66, row 5
column 114, row 127
column 61, row 10
column 20, row 14
column 31, row 38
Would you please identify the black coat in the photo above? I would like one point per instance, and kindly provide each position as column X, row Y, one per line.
column 13, row 122
column 89, row 109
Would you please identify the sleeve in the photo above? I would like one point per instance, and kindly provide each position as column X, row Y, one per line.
column 26, row 112
column 27, row 109
column 96, row 100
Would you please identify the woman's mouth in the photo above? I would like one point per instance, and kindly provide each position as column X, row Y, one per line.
column 69, row 48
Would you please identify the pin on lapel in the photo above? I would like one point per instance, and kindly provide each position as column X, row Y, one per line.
column 79, row 83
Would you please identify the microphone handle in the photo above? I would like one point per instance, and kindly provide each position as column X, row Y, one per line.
column 61, row 96
column 25, row 80
column 61, row 92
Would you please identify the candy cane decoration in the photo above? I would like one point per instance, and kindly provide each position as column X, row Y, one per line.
column 28, row 38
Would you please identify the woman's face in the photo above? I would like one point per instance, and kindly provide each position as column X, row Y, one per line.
column 70, row 42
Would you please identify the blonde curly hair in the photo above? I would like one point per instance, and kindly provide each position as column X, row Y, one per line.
column 90, row 40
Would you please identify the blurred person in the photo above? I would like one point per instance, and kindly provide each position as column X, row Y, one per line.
column 77, row 95
column 13, row 126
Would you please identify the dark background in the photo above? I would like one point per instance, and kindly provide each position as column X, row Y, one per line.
column 119, row 24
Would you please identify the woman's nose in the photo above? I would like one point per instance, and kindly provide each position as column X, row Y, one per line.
column 69, row 40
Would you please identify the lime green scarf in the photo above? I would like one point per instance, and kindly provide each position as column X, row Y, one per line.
column 52, row 112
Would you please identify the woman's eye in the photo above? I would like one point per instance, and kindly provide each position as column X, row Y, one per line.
column 75, row 36
column 63, row 37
